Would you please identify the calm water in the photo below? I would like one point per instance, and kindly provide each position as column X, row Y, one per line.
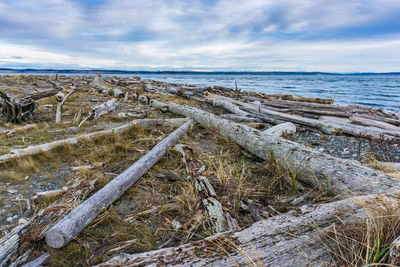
column 381, row 91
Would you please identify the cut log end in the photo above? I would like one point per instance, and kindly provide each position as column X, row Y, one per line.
column 55, row 239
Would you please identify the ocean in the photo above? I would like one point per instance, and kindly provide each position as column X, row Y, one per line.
column 380, row 91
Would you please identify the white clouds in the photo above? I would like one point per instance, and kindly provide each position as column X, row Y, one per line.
column 236, row 34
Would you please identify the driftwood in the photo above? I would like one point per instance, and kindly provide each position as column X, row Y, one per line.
column 16, row 246
column 39, row 261
column 71, row 225
column 280, row 129
column 328, row 127
column 16, row 110
column 61, row 104
column 339, row 176
column 32, row 150
column 100, row 110
column 293, row 239
column 237, row 118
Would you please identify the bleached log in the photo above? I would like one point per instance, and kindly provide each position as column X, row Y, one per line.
column 280, row 129
column 292, row 239
column 328, row 127
column 341, row 177
column 237, row 118
column 61, row 104
column 230, row 107
column 374, row 123
column 104, row 108
column 144, row 123
column 98, row 82
column 71, row 225
column 39, row 261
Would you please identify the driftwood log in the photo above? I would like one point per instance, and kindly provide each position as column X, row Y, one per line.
column 17, row 110
column 338, row 176
column 295, row 238
column 71, row 225
column 144, row 123
column 329, row 127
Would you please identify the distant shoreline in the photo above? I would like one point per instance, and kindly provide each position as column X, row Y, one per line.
column 104, row 71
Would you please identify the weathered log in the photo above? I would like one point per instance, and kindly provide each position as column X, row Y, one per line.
column 280, row 129
column 19, row 242
column 71, row 225
column 341, row 177
column 373, row 123
column 328, row 127
column 293, row 239
column 237, row 118
column 144, row 123
column 16, row 110
column 61, row 104
column 39, row 261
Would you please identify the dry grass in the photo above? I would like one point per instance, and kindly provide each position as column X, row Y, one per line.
column 368, row 241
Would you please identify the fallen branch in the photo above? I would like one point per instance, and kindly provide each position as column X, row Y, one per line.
column 71, row 225
column 60, row 106
column 144, row 123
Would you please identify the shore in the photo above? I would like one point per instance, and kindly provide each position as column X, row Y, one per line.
column 166, row 208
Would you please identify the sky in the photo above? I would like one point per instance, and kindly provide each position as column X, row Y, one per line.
column 205, row 35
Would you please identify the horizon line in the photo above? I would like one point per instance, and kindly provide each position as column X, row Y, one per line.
column 232, row 72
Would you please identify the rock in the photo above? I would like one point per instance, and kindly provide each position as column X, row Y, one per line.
column 73, row 130
column 118, row 93
column 9, row 219
column 280, row 129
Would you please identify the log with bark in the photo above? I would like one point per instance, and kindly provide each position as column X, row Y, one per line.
column 144, row 123
column 71, row 225
column 296, row 238
column 338, row 176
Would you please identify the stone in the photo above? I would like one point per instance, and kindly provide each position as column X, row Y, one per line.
column 73, row 130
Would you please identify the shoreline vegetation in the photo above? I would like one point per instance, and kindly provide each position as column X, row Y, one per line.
column 117, row 171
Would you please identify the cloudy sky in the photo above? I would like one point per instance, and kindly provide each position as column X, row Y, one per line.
column 255, row 35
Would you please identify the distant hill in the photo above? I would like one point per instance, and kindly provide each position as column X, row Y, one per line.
column 72, row 71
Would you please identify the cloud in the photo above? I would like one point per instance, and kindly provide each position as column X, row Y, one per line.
column 341, row 35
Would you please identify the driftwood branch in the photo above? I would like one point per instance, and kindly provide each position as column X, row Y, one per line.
column 61, row 104
column 32, row 150
column 71, row 225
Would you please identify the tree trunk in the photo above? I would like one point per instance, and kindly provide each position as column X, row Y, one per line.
column 292, row 239
column 71, row 225
column 341, row 177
